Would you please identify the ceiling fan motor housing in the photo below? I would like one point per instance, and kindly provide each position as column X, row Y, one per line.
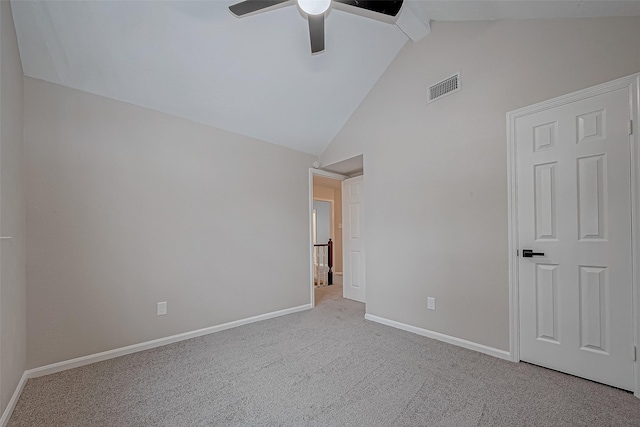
column 315, row 10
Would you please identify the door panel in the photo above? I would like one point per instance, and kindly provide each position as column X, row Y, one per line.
column 574, row 206
column 547, row 302
column 353, row 237
column 545, row 201
column 594, row 309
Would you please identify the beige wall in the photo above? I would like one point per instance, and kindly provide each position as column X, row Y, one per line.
column 331, row 189
column 436, row 173
column 128, row 207
column 13, row 333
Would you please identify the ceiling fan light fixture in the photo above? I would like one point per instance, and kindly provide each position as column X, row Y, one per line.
column 314, row 7
column 315, row 10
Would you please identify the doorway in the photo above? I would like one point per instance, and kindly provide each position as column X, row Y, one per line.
column 343, row 177
column 328, row 185
column 326, row 231
column 324, row 241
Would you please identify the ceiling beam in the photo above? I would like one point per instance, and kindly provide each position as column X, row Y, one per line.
column 413, row 21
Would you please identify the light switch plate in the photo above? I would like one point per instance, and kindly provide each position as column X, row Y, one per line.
column 431, row 303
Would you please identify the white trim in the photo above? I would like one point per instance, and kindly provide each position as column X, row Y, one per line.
column 6, row 415
column 110, row 354
column 512, row 224
column 122, row 351
column 621, row 83
column 635, row 224
column 470, row 345
column 325, row 174
column 633, row 83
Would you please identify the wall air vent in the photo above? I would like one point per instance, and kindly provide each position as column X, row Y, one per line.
column 445, row 87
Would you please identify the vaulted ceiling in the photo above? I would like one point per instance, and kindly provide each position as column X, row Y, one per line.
column 254, row 76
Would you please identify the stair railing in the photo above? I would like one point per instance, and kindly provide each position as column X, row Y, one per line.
column 323, row 263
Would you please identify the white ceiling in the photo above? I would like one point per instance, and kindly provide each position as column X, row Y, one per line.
column 255, row 75
column 194, row 59
column 347, row 167
column 457, row 10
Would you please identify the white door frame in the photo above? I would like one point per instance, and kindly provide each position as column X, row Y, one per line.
column 633, row 84
column 316, row 172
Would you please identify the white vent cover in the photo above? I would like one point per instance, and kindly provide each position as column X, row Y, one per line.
column 445, row 87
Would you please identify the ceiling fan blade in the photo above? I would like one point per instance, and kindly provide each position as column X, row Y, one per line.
column 250, row 6
column 316, row 32
column 386, row 7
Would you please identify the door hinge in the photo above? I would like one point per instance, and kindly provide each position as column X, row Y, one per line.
column 630, row 127
column 635, row 353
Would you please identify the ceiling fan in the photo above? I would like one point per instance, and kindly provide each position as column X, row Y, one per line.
column 315, row 11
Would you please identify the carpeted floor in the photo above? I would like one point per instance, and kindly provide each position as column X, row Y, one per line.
column 324, row 367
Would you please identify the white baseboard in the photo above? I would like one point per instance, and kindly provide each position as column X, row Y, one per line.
column 14, row 400
column 110, row 354
column 501, row 354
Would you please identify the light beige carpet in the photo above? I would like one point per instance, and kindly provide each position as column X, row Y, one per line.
column 325, row 367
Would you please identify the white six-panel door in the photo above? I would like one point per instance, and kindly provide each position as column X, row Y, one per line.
column 574, row 205
column 353, row 239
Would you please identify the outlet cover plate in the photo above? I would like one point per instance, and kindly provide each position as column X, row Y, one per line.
column 162, row 308
column 431, row 303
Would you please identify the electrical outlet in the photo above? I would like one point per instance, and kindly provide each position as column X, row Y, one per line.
column 162, row 308
column 431, row 303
